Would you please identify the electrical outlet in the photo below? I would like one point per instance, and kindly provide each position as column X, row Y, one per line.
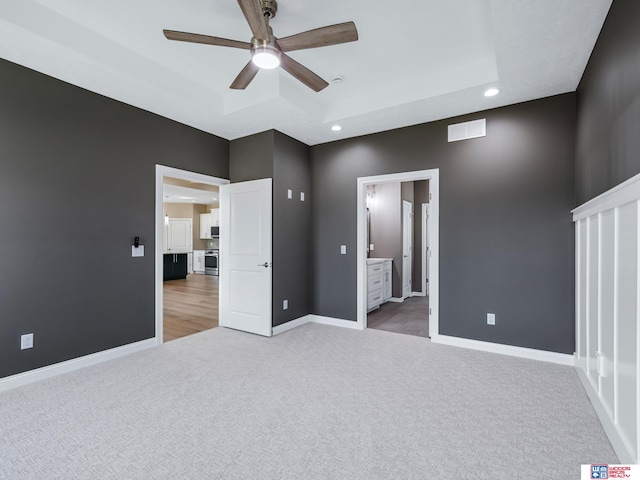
column 343, row 249
column 302, row 196
column 285, row 304
column 26, row 341
column 491, row 318
column 371, row 247
column 289, row 194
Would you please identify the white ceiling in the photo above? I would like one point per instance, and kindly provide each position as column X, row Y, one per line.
column 415, row 61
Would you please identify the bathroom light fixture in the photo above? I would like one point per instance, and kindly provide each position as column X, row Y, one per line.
column 492, row 92
column 336, row 128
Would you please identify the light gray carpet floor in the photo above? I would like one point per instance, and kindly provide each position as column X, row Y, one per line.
column 317, row 402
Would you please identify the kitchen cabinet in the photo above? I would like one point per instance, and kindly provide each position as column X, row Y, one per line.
column 205, row 226
column 215, row 217
column 378, row 282
column 189, row 262
column 198, row 261
column 179, row 237
column 208, row 220
column 174, row 266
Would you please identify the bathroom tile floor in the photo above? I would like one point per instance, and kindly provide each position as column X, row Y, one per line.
column 409, row 317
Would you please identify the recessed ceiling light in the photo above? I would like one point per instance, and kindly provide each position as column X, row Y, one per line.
column 336, row 128
column 492, row 92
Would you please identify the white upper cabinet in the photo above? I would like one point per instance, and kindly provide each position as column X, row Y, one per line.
column 205, row 226
column 215, row 217
column 179, row 235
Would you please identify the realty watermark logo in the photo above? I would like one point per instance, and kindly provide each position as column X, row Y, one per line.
column 600, row 471
column 607, row 471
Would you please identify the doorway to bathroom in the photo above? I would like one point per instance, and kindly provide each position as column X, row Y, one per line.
column 398, row 252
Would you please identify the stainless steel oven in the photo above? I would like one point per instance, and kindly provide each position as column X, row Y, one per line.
column 211, row 262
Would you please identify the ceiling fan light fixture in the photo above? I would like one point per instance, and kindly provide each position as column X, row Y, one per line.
column 266, row 57
column 492, row 92
column 336, row 128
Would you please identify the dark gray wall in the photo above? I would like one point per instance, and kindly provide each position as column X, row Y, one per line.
column 77, row 185
column 251, row 158
column 291, row 229
column 272, row 154
column 506, row 235
column 420, row 196
column 608, row 140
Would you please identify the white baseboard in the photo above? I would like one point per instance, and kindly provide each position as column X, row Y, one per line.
column 290, row 325
column 625, row 455
column 67, row 366
column 298, row 322
column 396, row 299
column 336, row 322
column 418, row 294
column 530, row 353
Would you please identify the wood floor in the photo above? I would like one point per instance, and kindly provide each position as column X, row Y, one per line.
column 190, row 306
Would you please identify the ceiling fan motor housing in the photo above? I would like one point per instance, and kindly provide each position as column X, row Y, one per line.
column 269, row 8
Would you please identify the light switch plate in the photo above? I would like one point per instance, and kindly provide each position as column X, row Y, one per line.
column 491, row 318
column 26, row 341
column 343, row 249
column 137, row 252
column 289, row 194
column 371, row 247
column 302, row 196
column 285, row 304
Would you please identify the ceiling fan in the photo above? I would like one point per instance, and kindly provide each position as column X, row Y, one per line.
column 268, row 51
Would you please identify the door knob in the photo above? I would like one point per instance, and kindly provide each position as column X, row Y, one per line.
column 265, row 265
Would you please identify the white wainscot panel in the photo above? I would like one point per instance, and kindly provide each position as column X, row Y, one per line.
column 626, row 331
column 607, row 297
column 592, row 307
column 608, row 312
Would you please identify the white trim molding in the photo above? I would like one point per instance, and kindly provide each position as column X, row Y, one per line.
column 512, row 351
column 67, row 366
column 298, row 322
column 163, row 171
column 335, row 322
column 290, row 325
column 433, row 176
column 607, row 296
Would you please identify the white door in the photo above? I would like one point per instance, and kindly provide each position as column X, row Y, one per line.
column 180, row 238
column 245, row 256
column 407, row 209
column 426, row 249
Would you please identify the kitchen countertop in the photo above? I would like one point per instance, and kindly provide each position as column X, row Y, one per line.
column 373, row 261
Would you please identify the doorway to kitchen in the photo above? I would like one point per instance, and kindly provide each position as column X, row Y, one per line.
column 397, row 303
column 188, row 301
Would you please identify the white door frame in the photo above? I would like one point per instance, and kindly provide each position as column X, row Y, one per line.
column 433, row 176
column 407, row 238
column 162, row 172
column 424, row 252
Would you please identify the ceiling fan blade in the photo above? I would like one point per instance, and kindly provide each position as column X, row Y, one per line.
column 255, row 18
column 245, row 76
column 197, row 38
column 302, row 73
column 320, row 37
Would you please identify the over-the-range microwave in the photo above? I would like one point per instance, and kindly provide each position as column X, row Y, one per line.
column 215, row 232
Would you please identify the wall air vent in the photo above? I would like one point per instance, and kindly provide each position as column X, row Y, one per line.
column 467, row 130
